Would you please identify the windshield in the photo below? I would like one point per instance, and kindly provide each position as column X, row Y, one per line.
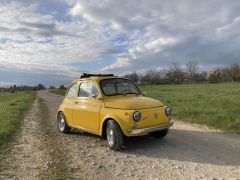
column 115, row 86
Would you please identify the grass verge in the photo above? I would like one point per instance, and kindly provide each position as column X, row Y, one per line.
column 12, row 108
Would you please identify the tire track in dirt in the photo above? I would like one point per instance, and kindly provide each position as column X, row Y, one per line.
column 56, row 167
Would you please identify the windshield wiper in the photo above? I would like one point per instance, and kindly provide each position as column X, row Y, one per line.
column 124, row 93
column 130, row 93
column 114, row 94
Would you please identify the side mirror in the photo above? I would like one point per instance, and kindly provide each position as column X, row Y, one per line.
column 94, row 96
column 144, row 93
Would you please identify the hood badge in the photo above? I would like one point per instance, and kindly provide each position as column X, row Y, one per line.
column 155, row 115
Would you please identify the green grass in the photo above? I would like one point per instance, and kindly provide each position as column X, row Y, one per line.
column 216, row 105
column 60, row 92
column 12, row 108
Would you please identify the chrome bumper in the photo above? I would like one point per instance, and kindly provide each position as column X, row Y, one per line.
column 151, row 129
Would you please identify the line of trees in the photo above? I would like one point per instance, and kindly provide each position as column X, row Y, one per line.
column 14, row 88
column 177, row 74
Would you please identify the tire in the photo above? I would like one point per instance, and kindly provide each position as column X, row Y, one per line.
column 62, row 123
column 114, row 135
column 160, row 134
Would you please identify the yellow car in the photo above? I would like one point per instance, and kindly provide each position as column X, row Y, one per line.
column 112, row 107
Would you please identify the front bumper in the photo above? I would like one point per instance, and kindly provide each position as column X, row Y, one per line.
column 150, row 129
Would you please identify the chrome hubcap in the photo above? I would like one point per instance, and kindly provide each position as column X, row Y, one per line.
column 61, row 124
column 110, row 136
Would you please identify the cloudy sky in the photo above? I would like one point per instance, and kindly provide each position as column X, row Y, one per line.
column 54, row 41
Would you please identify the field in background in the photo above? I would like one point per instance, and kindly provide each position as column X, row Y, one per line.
column 60, row 92
column 216, row 105
column 12, row 108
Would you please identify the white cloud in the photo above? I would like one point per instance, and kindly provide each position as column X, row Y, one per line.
column 135, row 54
column 158, row 44
column 230, row 29
column 138, row 34
column 123, row 61
column 160, row 32
column 33, row 41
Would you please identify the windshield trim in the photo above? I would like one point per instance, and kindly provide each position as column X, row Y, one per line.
column 100, row 83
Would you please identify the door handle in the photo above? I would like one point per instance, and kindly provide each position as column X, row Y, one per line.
column 76, row 101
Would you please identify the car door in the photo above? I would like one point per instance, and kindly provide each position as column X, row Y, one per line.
column 87, row 107
column 69, row 102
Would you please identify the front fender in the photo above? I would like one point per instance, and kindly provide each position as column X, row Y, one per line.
column 122, row 117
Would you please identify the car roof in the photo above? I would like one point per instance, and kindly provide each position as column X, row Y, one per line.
column 98, row 78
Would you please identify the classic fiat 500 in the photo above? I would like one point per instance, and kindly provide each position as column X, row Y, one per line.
column 112, row 107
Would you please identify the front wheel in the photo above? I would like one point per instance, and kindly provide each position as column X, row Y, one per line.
column 114, row 135
column 160, row 134
column 62, row 123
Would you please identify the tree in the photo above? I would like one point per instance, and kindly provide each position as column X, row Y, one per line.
column 200, row 77
column 13, row 88
column 134, row 77
column 234, row 72
column 153, row 77
column 146, row 78
column 191, row 68
column 40, row 87
column 62, row 87
column 52, row 87
column 215, row 75
column 175, row 73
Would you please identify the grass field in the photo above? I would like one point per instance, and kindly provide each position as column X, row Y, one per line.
column 58, row 91
column 216, row 105
column 12, row 108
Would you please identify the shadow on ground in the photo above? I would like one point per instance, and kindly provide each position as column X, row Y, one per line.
column 180, row 145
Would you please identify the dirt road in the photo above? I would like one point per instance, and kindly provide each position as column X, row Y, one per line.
column 39, row 151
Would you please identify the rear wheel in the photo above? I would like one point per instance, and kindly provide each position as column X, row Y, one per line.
column 62, row 123
column 114, row 135
column 160, row 134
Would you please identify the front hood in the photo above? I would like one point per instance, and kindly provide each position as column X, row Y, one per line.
column 132, row 102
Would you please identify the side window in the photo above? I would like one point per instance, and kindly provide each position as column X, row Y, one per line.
column 94, row 90
column 88, row 89
column 72, row 92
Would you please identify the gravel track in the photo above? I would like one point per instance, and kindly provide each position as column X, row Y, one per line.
column 39, row 151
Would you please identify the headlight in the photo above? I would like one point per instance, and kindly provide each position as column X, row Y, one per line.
column 136, row 116
column 168, row 111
